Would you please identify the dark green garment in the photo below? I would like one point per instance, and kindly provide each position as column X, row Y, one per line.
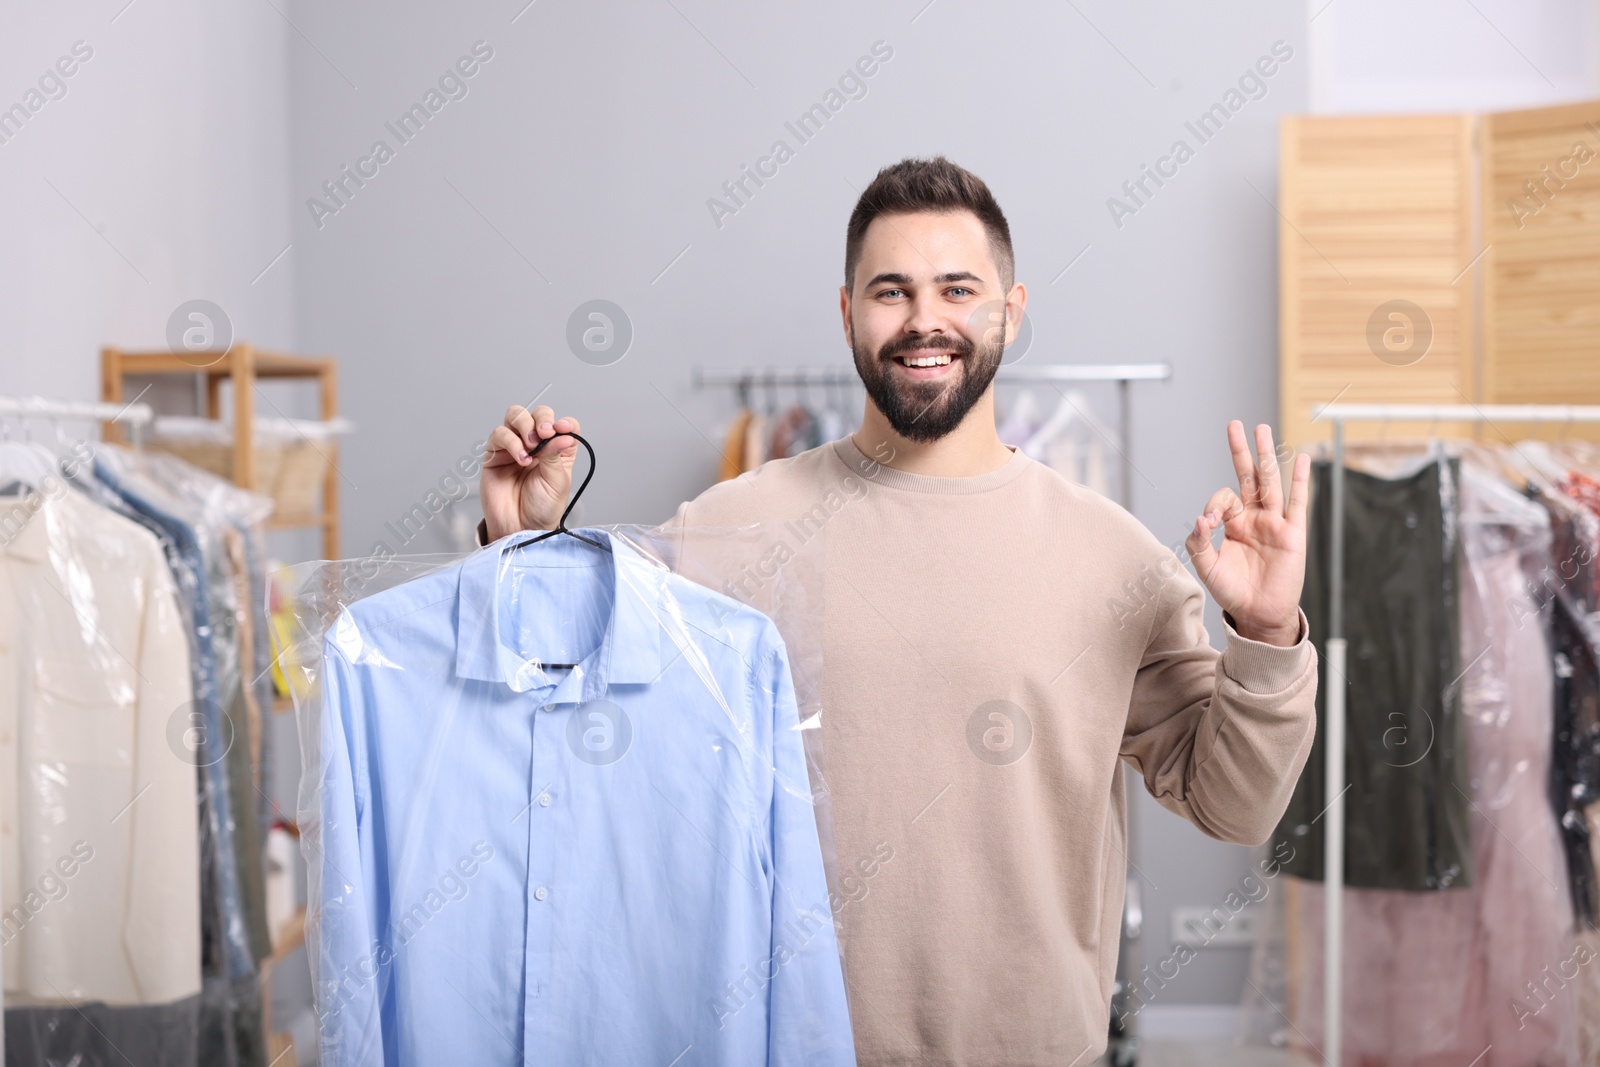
column 1408, row 801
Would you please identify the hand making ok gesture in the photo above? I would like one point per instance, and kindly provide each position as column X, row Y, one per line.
column 1257, row 574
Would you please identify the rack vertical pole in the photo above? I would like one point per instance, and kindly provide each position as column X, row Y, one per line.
column 1333, row 773
column 1125, row 402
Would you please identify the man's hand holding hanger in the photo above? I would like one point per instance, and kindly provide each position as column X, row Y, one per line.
column 523, row 492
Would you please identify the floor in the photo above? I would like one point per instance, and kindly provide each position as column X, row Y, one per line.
column 1219, row 1052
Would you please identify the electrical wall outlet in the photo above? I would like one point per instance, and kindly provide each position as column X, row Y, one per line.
column 1200, row 927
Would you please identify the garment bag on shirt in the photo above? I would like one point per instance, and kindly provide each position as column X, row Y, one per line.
column 557, row 810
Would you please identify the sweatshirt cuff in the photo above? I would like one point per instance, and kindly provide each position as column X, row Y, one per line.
column 1262, row 668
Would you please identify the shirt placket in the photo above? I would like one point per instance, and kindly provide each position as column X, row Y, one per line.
column 547, row 816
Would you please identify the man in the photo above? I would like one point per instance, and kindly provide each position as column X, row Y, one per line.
column 998, row 642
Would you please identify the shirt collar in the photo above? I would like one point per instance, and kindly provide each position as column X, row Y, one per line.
column 629, row 651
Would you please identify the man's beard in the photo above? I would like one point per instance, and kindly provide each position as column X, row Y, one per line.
column 927, row 411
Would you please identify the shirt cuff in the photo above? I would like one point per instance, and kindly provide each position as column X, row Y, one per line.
column 1262, row 668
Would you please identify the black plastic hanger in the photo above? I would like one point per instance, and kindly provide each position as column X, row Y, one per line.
column 561, row 526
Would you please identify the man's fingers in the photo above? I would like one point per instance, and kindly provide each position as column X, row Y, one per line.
column 1300, row 490
column 1268, row 485
column 548, row 429
column 528, row 428
column 543, row 416
column 1225, row 505
column 1198, row 544
column 504, row 448
column 520, row 422
column 1244, row 465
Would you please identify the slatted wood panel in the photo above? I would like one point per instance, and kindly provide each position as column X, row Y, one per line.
column 1374, row 209
column 1541, row 221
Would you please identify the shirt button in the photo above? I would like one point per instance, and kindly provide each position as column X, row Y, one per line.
column 544, row 800
column 540, row 893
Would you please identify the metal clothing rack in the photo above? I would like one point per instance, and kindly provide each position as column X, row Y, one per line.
column 135, row 416
column 1334, row 743
column 1123, row 374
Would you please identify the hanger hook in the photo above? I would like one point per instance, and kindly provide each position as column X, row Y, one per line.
column 561, row 526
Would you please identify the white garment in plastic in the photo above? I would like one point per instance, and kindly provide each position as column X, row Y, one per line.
column 99, row 854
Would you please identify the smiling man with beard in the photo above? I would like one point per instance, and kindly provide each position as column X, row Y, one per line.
column 988, row 677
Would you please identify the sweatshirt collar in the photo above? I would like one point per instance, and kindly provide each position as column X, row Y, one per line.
column 862, row 465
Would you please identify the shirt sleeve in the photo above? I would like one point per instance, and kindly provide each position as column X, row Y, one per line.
column 351, row 963
column 808, row 1015
column 1220, row 738
column 162, row 927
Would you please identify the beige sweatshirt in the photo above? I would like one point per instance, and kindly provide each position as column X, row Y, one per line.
column 995, row 647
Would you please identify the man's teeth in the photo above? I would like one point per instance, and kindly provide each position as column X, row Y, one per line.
column 926, row 361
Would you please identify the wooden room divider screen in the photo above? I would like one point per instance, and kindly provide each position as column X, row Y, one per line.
column 1444, row 259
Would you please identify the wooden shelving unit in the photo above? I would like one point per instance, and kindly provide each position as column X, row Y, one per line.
column 243, row 364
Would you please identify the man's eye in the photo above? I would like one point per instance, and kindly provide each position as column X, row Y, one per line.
column 960, row 289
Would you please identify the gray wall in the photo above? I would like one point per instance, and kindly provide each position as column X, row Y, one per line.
column 1441, row 55
column 161, row 176
column 579, row 164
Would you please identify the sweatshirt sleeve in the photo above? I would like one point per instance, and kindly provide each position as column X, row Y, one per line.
column 1220, row 738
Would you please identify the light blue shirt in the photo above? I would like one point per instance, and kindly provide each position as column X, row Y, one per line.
column 614, row 863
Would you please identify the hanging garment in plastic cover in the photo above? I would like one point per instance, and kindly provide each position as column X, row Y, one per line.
column 199, row 515
column 1406, row 807
column 1570, row 584
column 1483, row 974
column 101, row 857
column 562, row 803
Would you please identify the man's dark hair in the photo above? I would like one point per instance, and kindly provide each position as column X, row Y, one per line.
column 935, row 184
